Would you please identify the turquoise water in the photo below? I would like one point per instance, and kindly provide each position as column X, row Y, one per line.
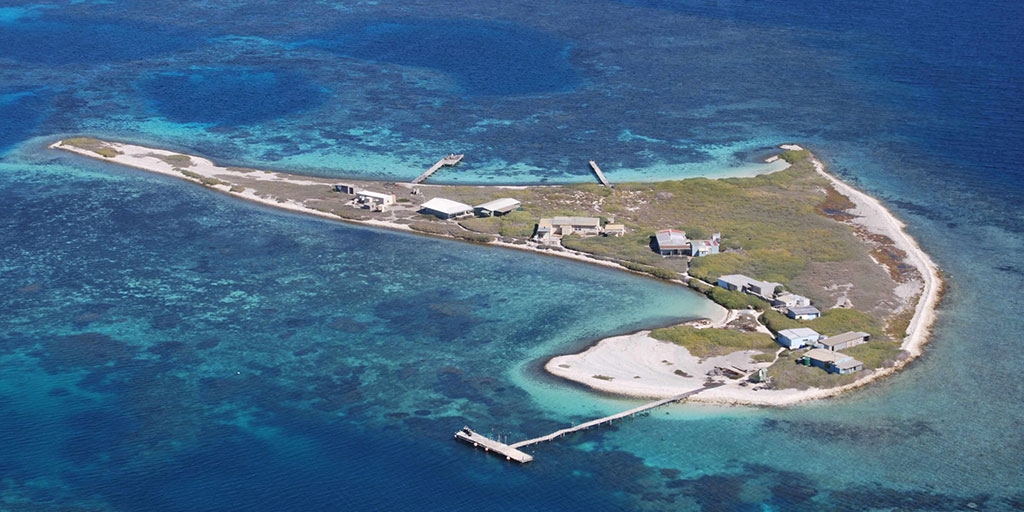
column 164, row 347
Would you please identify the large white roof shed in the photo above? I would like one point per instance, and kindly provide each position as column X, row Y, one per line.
column 446, row 208
column 499, row 206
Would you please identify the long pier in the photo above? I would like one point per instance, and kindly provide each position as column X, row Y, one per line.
column 512, row 452
column 452, row 159
column 600, row 175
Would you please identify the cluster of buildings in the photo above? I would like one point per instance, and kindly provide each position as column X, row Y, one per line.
column 794, row 306
column 824, row 351
column 552, row 229
column 673, row 242
column 375, row 201
column 448, row 209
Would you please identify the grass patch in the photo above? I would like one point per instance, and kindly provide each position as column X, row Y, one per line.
column 766, row 357
column 175, row 160
column 735, row 300
column 832, row 322
column 682, row 374
column 90, row 144
column 205, row 180
column 632, row 246
column 897, row 324
column 786, row 373
column 515, row 224
column 660, row 273
column 704, row 343
column 603, row 377
column 238, row 189
column 875, row 354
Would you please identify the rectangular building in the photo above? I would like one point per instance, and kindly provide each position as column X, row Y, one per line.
column 832, row 362
column 797, row 338
column 344, row 188
column 672, row 242
column 700, row 248
column 498, row 207
column 446, row 208
column 803, row 313
column 371, row 198
column 614, row 229
column 790, row 300
column 843, row 341
column 742, row 283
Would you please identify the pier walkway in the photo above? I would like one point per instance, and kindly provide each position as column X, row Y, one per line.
column 600, row 175
column 512, row 451
column 452, row 159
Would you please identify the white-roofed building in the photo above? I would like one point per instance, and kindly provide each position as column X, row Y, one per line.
column 446, row 208
column 797, row 338
column 790, row 300
column 803, row 313
column 843, row 341
column 498, row 207
column 374, row 199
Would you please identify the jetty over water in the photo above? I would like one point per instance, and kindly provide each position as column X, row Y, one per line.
column 600, row 175
column 451, row 160
column 512, row 452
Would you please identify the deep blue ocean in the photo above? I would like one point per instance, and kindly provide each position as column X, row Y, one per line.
column 166, row 348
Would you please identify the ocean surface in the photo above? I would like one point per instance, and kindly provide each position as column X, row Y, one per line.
column 166, row 348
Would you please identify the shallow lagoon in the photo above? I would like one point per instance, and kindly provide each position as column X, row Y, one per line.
column 232, row 358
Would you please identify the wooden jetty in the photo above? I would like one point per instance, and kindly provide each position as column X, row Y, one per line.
column 511, row 451
column 452, row 159
column 600, row 175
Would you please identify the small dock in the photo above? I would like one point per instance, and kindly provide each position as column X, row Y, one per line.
column 600, row 175
column 511, row 451
column 450, row 160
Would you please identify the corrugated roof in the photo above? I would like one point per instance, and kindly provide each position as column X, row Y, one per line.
column 827, row 356
column 798, row 332
column 671, row 239
column 805, row 310
column 850, row 363
column 845, row 337
column 447, row 206
column 504, row 205
column 378, row 195
column 576, row 221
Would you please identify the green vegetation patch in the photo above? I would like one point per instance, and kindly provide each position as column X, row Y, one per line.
column 875, row 354
column 444, row 228
column 660, row 273
column 832, row 322
column 704, row 343
column 735, row 300
column 205, row 180
column 175, row 160
column 517, row 224
column 632, row 246
column 787, row 373
column 90, row 144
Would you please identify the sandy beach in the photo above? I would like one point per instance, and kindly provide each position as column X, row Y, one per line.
column 634, row 365
column 640, row 354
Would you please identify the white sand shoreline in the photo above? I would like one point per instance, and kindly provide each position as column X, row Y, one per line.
column 633, row 351
column 632, row 354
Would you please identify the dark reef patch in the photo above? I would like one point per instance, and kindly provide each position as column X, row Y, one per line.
column 484, row 57
column 229, row 95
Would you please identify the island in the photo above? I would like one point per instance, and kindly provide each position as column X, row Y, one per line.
column 821, row 288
